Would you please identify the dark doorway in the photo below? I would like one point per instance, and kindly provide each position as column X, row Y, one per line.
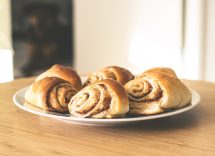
column 42, row 35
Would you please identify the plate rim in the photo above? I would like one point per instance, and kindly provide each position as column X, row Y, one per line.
column 103, row 121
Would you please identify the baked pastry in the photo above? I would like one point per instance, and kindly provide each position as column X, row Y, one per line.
column 63, row 72
column 163, row 70
column 119, row 74
column 104, row 99
column 50, row 94
column 155, row 92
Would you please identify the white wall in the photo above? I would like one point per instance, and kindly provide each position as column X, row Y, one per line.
column 210, row 42
column 5, row 24
column 6, row 53
column 194, row 40
column 136, row 34
column 102, row 31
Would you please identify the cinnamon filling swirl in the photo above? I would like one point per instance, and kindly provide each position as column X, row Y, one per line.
column 144, row 90
column 92, row 101
column 59, row 96
column 98, row 76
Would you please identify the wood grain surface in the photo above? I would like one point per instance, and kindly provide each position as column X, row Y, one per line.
column 26, row 134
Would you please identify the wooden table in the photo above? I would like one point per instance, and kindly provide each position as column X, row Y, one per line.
column 190, row 133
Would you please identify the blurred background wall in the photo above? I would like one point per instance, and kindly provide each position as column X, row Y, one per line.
column 135, row 34
column 5, row 23
column 6, row 52
column 140, row 34
column 210, row 41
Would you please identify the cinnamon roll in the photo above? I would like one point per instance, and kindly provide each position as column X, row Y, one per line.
column 50, row 94
column 155, row 92
column 119, row 74
column 63, row 72
column 104, row 99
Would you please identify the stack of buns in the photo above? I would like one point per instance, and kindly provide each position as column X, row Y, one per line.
column 112, row 92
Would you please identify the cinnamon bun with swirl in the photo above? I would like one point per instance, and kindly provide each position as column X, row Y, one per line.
column 104, row 99
column 154, row 92
column 50, row 94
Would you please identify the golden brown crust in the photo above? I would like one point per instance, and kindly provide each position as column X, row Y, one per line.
column 119, row 74
column 163, row 70
column 122, row 75
column 155, row 92
column 104, row 99
column 63, row 72
column 50, row 94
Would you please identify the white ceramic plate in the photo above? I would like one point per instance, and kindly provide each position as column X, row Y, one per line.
column 19, row 101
